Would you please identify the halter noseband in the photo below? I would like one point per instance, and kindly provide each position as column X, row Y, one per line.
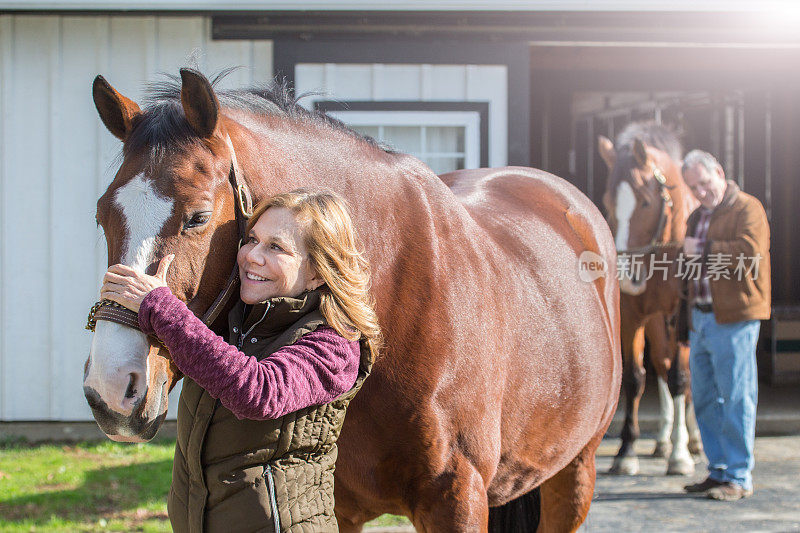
column 666, row 201
column 243, row 208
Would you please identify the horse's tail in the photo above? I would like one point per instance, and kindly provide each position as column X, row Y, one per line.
column 517, row 516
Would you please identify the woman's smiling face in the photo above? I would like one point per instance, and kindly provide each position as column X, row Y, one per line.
column 274, row 261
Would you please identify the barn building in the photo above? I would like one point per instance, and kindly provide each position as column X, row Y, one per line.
column 460, row 84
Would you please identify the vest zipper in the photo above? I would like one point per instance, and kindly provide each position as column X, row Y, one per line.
column 244, row 335
column 273, row 502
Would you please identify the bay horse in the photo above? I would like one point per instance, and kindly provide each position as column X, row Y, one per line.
column 501, row 368
column 648, row 204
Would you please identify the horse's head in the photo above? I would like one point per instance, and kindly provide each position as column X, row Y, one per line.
column 638, row 204
column 171, row 194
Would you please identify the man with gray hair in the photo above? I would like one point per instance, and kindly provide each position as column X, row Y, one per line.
column 730, row 234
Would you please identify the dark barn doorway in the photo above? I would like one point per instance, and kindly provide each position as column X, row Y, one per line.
column 736, row 102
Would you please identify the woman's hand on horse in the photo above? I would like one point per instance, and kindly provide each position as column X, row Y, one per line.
column 127, row 287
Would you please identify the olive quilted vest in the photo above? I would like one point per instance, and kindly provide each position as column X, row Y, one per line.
column 232, row 475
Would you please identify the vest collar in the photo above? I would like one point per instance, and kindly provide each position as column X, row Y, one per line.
column 276, row 314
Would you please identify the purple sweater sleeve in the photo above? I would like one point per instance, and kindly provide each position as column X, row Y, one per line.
column 317, row 368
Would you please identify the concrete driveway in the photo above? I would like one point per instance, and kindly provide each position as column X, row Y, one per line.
column 652, row 501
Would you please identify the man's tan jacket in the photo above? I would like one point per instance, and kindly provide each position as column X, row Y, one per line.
column 738, row 230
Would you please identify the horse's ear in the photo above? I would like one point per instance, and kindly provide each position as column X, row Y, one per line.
column 116, row 111
column 640, row 152
column 606, row 148
column 200, row 104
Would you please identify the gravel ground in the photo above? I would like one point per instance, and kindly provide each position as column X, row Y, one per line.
column 654, row 502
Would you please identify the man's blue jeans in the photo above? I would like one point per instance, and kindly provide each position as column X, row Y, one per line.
column 725, row 394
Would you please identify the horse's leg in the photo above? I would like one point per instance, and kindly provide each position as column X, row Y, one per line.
column 680, row 461
column 566, row 497
column 665, row 419
column 626, row 462
column 454, row 501
column 349, row 514
column 695, row 441
column 347, row 526
column 665, row 404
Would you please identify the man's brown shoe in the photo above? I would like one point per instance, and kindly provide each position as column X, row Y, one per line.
column 703, row 485
column 728, row 492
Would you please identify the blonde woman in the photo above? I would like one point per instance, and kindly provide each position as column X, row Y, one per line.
column 301, row 340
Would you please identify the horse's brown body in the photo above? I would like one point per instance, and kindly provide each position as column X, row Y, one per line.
column 501, row 368
column 653, row 313
column 494, row 318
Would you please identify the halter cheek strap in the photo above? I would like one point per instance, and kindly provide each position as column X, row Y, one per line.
column 243, row 209
column 666, row 202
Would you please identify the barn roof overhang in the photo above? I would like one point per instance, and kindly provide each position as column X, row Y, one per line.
column 699, row 27
column 654, row 21
column 400, row 5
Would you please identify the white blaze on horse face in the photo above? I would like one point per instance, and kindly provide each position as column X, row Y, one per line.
column 145, row 213
column 625, row 205
column 118, row 356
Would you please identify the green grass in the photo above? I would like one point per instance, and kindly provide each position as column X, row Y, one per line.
column 104, row 486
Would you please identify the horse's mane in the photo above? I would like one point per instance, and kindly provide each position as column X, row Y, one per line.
column 163, row 126
column 654, row 135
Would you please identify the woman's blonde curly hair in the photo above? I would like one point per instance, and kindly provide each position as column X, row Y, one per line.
column 330, row 238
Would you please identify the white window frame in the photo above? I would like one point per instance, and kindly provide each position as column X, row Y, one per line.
column 469, row 120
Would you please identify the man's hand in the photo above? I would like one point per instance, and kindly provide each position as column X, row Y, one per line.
column 127, row 287
column 691, row 246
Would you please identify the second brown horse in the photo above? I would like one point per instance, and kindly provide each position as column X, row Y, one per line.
column 648, row 204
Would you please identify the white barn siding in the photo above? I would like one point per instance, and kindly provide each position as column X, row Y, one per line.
column 56, row 159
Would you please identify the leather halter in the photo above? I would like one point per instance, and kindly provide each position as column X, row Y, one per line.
column 243, row 208
column 666, row 201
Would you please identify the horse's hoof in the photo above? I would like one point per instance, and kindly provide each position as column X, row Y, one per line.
column 625, row 466
column 680, row 467
column 696, row 447
column 661, row 449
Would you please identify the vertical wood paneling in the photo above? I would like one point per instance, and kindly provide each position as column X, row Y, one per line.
column 56, row 159
column 448, row 82
column 26, row 216
column 377, row 81
column 180, row 43
column 401, row 82
column 329, row 82
column 262, row 61
column 489, row 83
column 6, row 70
column 74, row 233
column 132, row 58
column 107, row 145
column 309, row 77
column 220, row 55
column 353, row 80
column 55, row 206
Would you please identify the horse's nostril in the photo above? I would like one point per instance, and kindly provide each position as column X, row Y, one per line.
column 130, row 392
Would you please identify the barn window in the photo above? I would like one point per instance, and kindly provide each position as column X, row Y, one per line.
column 444, row 140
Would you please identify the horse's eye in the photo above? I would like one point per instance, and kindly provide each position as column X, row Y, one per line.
column 645, row 203
column 198, row 219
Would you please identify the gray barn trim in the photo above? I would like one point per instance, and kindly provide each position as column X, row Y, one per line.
column 288, row 53
column 494, row 26
column 482, row 108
